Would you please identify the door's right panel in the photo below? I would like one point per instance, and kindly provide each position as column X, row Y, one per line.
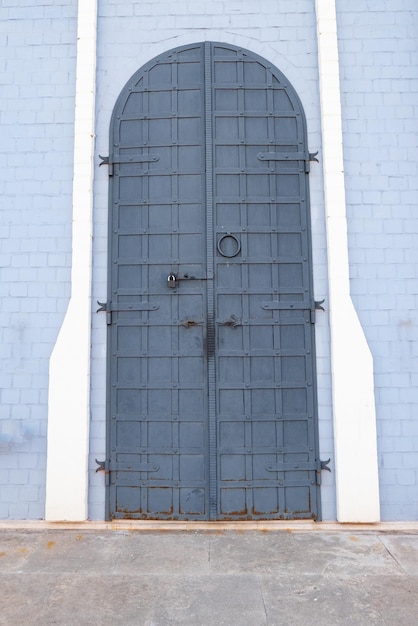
column 264, row 339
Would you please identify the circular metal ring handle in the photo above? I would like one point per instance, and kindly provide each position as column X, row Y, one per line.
column 226, row 249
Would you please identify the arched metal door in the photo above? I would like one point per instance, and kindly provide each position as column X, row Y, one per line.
column 212, row 409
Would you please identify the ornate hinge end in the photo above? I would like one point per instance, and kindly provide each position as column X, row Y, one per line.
column 104, row 307
column 320, row 466
column 105, row 160
column 102, row 466
column 317, row 306
column 324, row 465
column 311, row 157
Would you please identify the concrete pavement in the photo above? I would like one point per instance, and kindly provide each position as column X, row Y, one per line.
column 208, row 577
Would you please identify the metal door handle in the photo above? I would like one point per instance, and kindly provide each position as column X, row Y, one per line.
column 187, row 322
column 232, row 321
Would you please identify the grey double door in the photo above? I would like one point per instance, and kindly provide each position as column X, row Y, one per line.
column 211, row 358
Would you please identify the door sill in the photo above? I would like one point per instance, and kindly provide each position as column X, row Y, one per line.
column 196, row 526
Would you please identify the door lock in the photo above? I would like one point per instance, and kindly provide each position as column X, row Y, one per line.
column 172, row 281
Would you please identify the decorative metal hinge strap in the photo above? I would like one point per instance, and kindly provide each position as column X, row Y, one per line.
column 134, row 467
column 126, row 159
column 124, row 307
column 107, row 467
column 286, row 305
column 289, row 156
column 301, row 466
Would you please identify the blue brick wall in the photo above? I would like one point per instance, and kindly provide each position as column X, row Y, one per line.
column 37, row 52
column 129, row 35
column 378, row 47
column 379, row 80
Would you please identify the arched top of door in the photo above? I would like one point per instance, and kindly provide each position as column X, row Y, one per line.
column 253, row 72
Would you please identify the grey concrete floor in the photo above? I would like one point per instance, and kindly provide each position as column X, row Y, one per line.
column 199, row 578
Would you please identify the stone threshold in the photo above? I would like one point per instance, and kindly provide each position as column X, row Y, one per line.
column 196, row 526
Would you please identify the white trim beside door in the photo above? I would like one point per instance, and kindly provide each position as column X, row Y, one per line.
column 69, row 372
column 354, row 419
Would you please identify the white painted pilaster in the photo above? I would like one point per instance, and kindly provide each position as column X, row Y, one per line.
column 69, row 372
column 354, row 416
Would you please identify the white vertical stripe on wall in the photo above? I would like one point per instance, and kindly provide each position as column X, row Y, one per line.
column 354, row 416
column 69, row 373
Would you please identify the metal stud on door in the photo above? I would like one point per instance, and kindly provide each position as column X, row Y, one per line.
column 212, row 410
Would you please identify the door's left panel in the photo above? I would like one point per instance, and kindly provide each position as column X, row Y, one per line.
column 157, row 434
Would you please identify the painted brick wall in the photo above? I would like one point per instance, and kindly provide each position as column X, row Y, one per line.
column 129, row 35
column 379, row 78
column 378, row 45
column 37, row 52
